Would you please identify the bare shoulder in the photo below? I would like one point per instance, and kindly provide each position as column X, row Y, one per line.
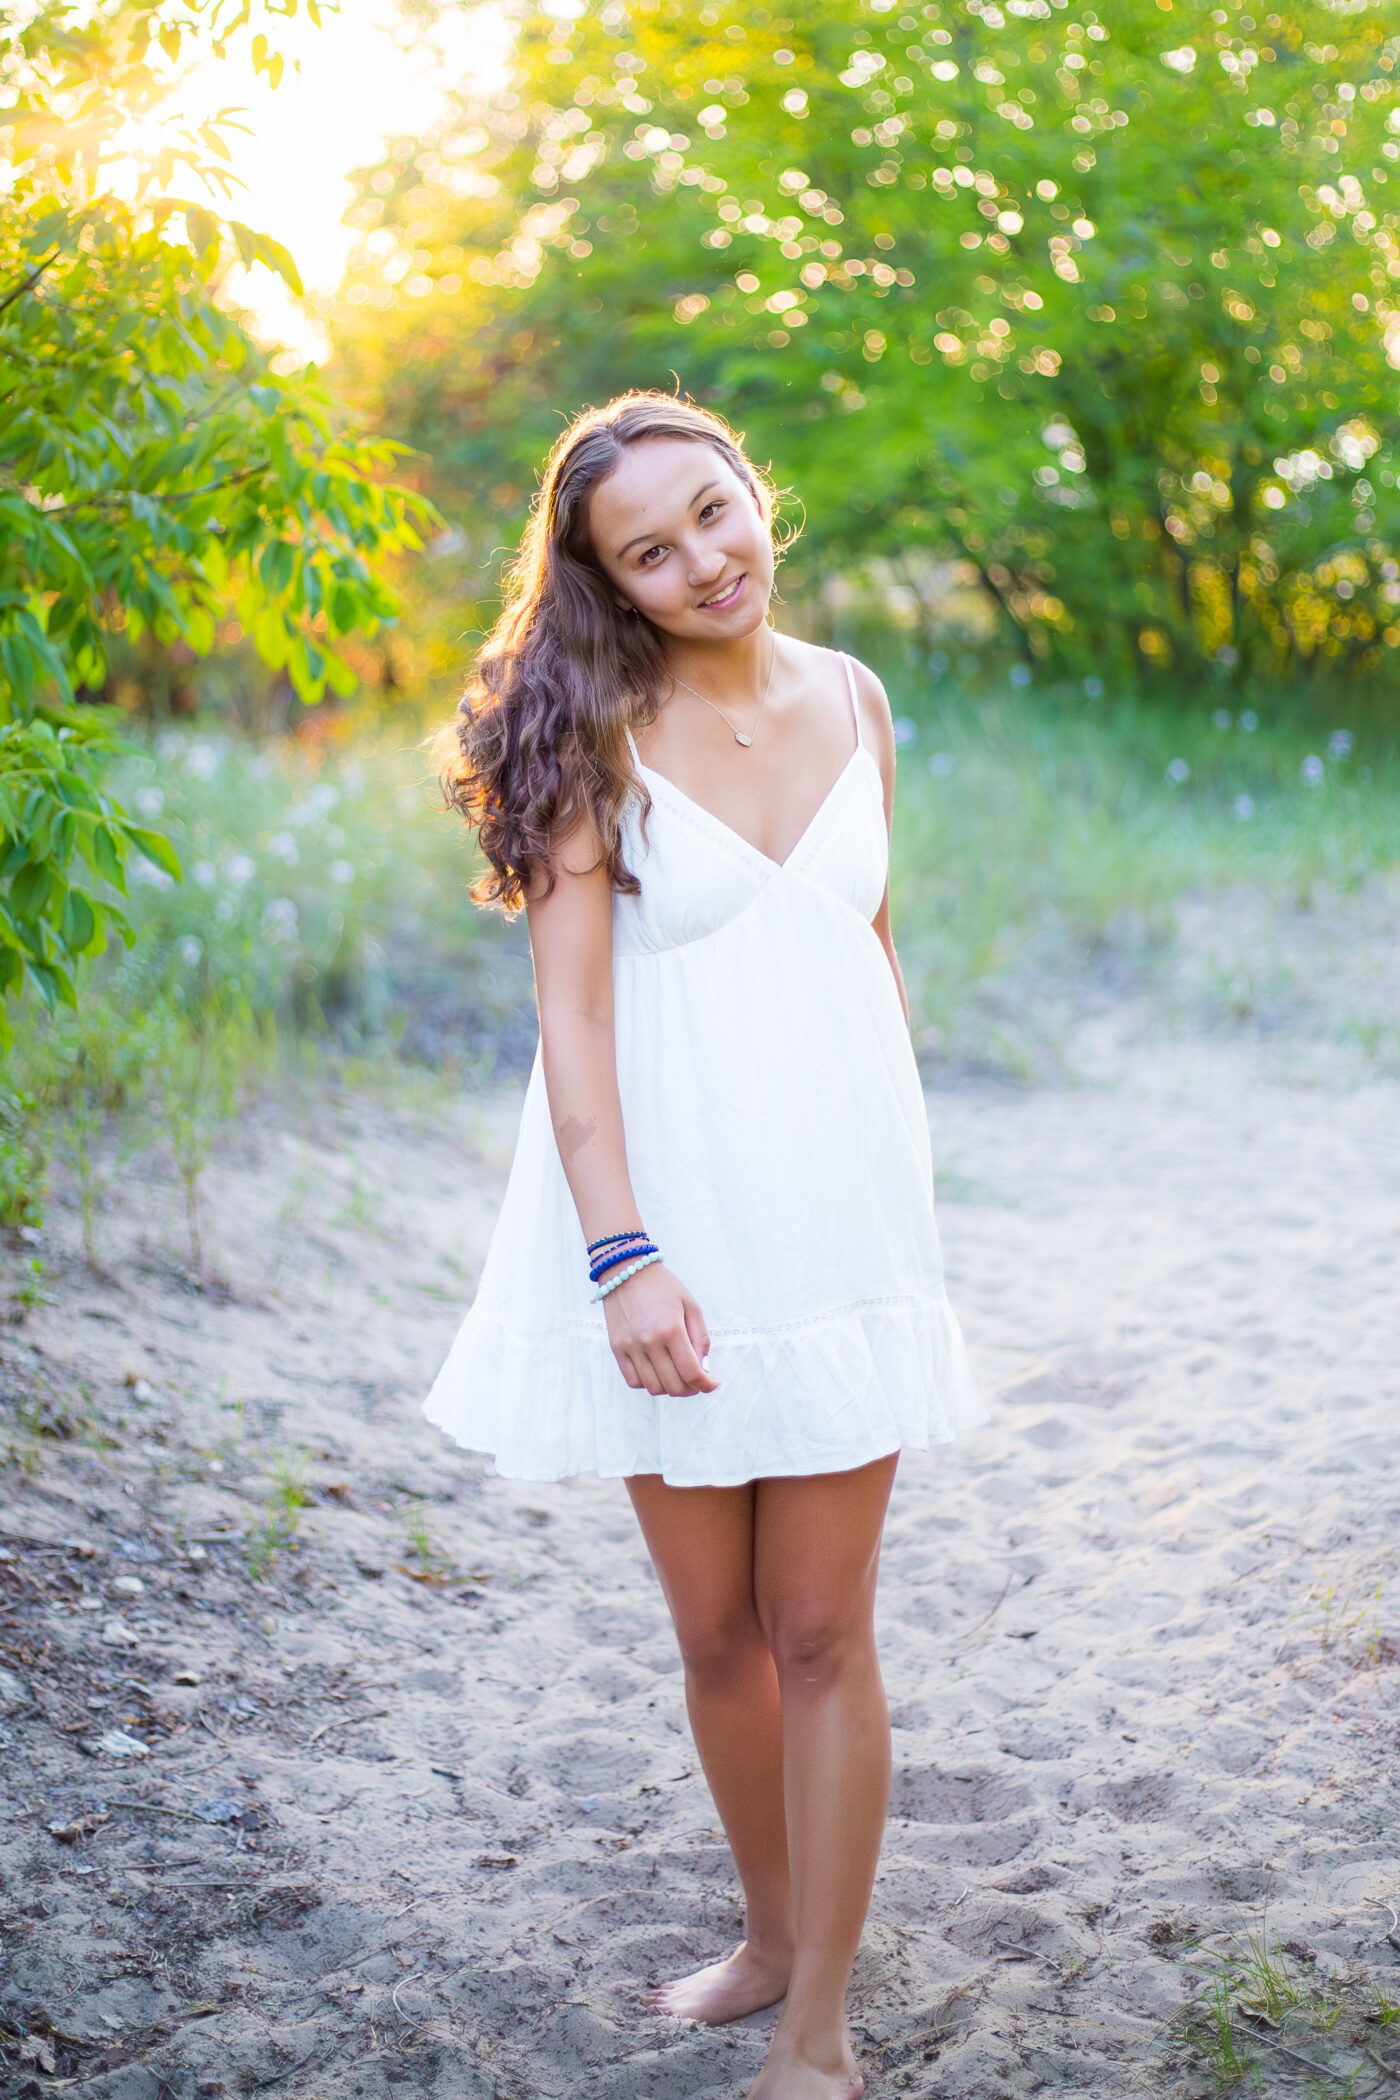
column 876, row 723
column 575, row 855
column 830, row 664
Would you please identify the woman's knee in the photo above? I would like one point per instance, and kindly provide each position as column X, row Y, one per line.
column 714, row 1645
column 817, row 1647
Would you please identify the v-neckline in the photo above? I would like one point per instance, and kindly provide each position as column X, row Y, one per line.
column 728, row 829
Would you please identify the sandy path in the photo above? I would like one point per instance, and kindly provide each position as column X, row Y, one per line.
column 468, row 1817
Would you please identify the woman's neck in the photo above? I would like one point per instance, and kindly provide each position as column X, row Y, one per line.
column 738, row 668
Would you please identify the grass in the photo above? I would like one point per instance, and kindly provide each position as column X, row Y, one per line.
column 1050, row 850
column 276, row 1527
column 1266, row 2005
column 430, row 1564
column 1341, row 1624
column 1047, row 850
column 323, row 925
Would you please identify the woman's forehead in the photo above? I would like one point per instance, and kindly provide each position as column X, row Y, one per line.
column 656, row 477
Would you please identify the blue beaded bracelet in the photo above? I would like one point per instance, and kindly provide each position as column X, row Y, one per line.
column 610, row 1261
column 613, row 1239
column 622, row 1276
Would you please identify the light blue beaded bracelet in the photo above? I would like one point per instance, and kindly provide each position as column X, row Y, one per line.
column 613, row 1281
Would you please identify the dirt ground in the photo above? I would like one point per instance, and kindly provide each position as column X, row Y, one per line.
column 335, row 1767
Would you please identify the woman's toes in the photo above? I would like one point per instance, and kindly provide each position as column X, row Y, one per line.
column 727, row 1990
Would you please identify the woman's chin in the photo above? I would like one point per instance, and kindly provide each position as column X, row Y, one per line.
column 724, row 623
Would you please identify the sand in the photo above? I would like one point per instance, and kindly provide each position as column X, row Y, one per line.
column 412, row 1808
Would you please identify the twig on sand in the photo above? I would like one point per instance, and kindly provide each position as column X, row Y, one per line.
column 157, row 1808
column 278, row 2077
column 384, row 1947
column 345, row 1721
column 1318, row 2070
column 987, row 1616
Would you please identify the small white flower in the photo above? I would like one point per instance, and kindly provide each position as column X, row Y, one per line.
column 905, row 733
column 224, row 909
column 205, row 874
column 148, row 877
column 240, row 870
column 1312, row 770
column 1339, row 743
column 1249, row 720
column 203, row 760
column 1093, row 689
column 150, row 801
column 1020, row 674
column 191, row 949
column 1178, row 772
column 282, row 846
column 941, row 763
column 1222, row 718
column 280, row 919
column 342, row 871
column 1244, row 808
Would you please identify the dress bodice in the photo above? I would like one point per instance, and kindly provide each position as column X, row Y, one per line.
column 697, row 874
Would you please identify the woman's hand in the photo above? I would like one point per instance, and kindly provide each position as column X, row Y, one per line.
column 658, row 1334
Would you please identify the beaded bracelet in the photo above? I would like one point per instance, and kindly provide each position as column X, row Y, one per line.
column 610, row 1261
column 612, row 1239
column 613, row 1282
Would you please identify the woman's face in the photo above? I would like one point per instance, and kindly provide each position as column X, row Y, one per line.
column 681, row 538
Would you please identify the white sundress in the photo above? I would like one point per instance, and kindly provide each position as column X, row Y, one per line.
column 778, row 1146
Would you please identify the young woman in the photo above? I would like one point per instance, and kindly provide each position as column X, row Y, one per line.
column 716, row 1273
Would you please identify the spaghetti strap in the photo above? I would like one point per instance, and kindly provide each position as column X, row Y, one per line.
column 632, row 746
column 851, row 688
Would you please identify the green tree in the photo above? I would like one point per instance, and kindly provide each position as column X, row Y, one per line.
column 1104, row 306
column 156, row 475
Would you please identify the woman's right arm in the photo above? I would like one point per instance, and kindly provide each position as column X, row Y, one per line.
column 656, row 1329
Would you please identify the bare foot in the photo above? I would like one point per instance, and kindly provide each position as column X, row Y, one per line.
column 727, row 1990
column 789, row 2075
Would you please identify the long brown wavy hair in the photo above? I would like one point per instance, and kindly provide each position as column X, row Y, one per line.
column 540, row 738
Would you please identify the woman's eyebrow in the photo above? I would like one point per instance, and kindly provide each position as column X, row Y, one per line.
column 650, row 537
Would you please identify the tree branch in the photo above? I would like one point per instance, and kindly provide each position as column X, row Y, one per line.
column 119, row 496
column 30, row 281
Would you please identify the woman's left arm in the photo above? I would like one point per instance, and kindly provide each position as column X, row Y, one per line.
column 877, row 731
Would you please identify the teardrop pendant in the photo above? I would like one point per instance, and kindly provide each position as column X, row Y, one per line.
column 744, row 740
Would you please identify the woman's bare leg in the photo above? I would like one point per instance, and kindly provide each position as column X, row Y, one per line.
column 772, row 1589
column 701, row 1542
column 816, row 1556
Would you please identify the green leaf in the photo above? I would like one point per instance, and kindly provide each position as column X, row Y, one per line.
column 78, row 924
column 156, row 848
column 203, row 228
column 106, row 856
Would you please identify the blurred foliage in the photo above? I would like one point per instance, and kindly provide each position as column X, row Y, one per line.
column 1045, row 853
column 1051, row 849
column 156, row 476
column 323, row 921
column 1102, row 308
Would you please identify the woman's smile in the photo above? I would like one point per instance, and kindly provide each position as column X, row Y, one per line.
column 722, row 600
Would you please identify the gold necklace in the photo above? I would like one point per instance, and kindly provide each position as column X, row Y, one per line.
column 739, row 736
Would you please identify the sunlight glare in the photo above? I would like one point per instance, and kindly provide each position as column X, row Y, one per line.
column 366, row 77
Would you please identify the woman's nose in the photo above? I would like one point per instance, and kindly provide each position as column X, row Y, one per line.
column 707, row 565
